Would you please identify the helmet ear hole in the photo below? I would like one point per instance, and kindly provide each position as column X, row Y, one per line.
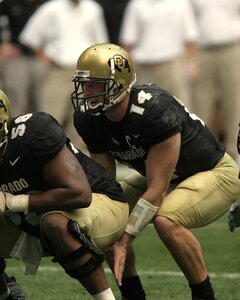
column 120, row 87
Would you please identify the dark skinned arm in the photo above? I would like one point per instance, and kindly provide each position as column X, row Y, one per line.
column 70, row 190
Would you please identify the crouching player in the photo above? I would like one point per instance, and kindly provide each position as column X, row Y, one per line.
column 56, row 201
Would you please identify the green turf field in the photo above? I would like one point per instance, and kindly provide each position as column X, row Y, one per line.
column 160, row 275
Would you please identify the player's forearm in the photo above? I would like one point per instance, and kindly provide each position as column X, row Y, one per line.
column 154, row 196
column 59, row 199
column 126, row 239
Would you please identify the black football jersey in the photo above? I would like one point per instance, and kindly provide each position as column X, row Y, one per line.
column 34, row 139
column 153, row 116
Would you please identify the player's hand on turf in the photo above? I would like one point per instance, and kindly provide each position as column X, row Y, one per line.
column 234, row 216
column 120, row 254
column 2, row 202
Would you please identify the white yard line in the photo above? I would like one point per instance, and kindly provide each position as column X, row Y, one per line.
column 143, row 273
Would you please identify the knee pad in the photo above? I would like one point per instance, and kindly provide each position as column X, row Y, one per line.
column 86, row 247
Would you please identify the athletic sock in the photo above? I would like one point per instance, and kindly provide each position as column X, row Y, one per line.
column 202, row 290
column 105, row 295
column 132, row 289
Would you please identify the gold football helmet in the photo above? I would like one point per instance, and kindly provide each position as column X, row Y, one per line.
column 5, row 119
column 106, row 64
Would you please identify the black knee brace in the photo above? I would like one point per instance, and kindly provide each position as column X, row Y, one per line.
column 87, row 247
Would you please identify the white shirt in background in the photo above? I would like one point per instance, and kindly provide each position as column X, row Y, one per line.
column 218, row 21
column 64, row 30
column 157, row 30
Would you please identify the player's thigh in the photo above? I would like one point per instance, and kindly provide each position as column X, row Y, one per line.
column 204, row 197
column 9, row 234
column 133, row 185
column 104, row 220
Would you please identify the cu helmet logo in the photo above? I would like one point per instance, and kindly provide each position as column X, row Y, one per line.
column 2, row 105
column 120, row 63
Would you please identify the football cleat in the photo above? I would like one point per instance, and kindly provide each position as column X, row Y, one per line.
column 15, row 290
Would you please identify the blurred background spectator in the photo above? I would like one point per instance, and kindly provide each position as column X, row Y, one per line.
column 58, row 32
column 216, row 91
column 22, row 74
column 36, row 71
column 160, row 36
column 113, row 13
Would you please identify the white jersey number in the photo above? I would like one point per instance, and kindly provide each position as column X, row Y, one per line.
column 20, row 129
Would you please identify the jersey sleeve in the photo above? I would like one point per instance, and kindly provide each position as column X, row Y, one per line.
column 48, row 137
column 38, row 135
column 162, row 120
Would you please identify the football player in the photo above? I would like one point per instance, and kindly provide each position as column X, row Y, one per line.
column 186, row 179
column 54, row 200
column 234, row 211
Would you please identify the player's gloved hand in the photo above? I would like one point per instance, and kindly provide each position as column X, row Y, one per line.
column 17, row 203
column 234, row 216
column 2, row 202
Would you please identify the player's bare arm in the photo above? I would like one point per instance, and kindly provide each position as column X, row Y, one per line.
column 72, row 188
column 160, row 165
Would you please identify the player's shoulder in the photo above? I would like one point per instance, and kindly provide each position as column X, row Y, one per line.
column 152, row 99
column 34, row 123
column 154, row 105
column 35, row 133
column 152, row 90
